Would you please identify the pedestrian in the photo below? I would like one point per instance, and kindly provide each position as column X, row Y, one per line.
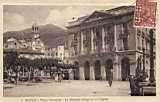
column 9, row 75
column 110, row 76
column 133, row 86
column 56, row 77
column 60, row 77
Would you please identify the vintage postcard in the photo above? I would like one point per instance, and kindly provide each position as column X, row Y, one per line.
column 68, row 51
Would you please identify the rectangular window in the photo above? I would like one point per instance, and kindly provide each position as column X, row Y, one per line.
column 138, row 43
column 143, row 44
column 125, row 36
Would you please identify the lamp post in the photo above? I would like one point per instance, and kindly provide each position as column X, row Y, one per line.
column 152, row 77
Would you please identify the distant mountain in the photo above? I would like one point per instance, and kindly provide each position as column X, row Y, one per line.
column 50, row 34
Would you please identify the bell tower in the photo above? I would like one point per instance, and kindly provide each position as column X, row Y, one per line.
column 37, row 44
column 35, row 30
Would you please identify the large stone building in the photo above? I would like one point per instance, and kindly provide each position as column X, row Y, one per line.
column 11, row 43
column 60, row 52
column 107, row 39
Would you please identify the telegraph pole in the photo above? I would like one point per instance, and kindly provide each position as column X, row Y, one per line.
column 152, row 77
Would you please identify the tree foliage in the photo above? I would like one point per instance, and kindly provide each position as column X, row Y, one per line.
column 12, row 60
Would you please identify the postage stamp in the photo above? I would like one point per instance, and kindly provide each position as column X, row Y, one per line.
column 145, row 13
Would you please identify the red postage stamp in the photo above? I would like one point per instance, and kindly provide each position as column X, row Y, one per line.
column 145, row 13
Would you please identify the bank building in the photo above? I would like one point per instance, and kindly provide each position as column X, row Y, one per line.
column 107, row 39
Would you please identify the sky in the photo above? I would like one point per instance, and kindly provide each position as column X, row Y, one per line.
column 18, row 17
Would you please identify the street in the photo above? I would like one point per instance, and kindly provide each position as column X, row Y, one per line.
column 67, row 88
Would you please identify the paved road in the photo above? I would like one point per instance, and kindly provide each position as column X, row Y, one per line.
column 74, row 88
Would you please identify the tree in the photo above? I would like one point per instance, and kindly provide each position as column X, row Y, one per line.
column 10, row 62
column 10, row 59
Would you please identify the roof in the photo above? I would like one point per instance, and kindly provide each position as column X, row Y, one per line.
column 122, row 10
column 24, row 51
column 11, row 39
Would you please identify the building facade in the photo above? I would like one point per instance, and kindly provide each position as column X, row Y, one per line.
column 12, row 43
column 107, row 40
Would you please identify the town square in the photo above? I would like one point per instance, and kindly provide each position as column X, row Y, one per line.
column 93, row 51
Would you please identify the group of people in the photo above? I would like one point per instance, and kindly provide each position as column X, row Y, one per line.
column 13, row 77
column 59, row 76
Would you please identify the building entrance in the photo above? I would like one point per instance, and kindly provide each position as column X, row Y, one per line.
column 76, row 71
column 108, row 66
column 97, row 70
column 87, row 70
column 125, row 69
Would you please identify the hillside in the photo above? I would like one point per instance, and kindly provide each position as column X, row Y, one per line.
column 50, row 34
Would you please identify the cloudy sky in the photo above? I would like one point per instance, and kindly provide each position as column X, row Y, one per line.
column 18, row 17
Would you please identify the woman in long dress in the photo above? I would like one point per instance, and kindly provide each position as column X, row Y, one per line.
column 110, row 77
column 60, row 77
column 56, row 77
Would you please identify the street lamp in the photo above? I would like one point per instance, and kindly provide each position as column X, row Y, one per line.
column 152, row 77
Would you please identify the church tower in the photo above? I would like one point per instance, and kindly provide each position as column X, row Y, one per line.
column 37, row 44
column 35, row 30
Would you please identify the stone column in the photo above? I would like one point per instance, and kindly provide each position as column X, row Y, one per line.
column 122, row 39
column 115, row 37
column 82, row 50
column 92, row 75
column 136, row 38
column 103, row 43
column 120, row 70
column 103, row 72
column 81, row 73
column 116, row 70
column 106, row 45
column 92, row 46
column 141, row 38
column 71, row 74
column 78, row 43
column 132, row 69
column 115, row 66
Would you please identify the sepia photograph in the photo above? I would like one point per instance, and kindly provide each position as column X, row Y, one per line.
column 79, row 51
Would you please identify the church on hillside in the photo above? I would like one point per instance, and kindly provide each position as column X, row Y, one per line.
column 29, row 47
